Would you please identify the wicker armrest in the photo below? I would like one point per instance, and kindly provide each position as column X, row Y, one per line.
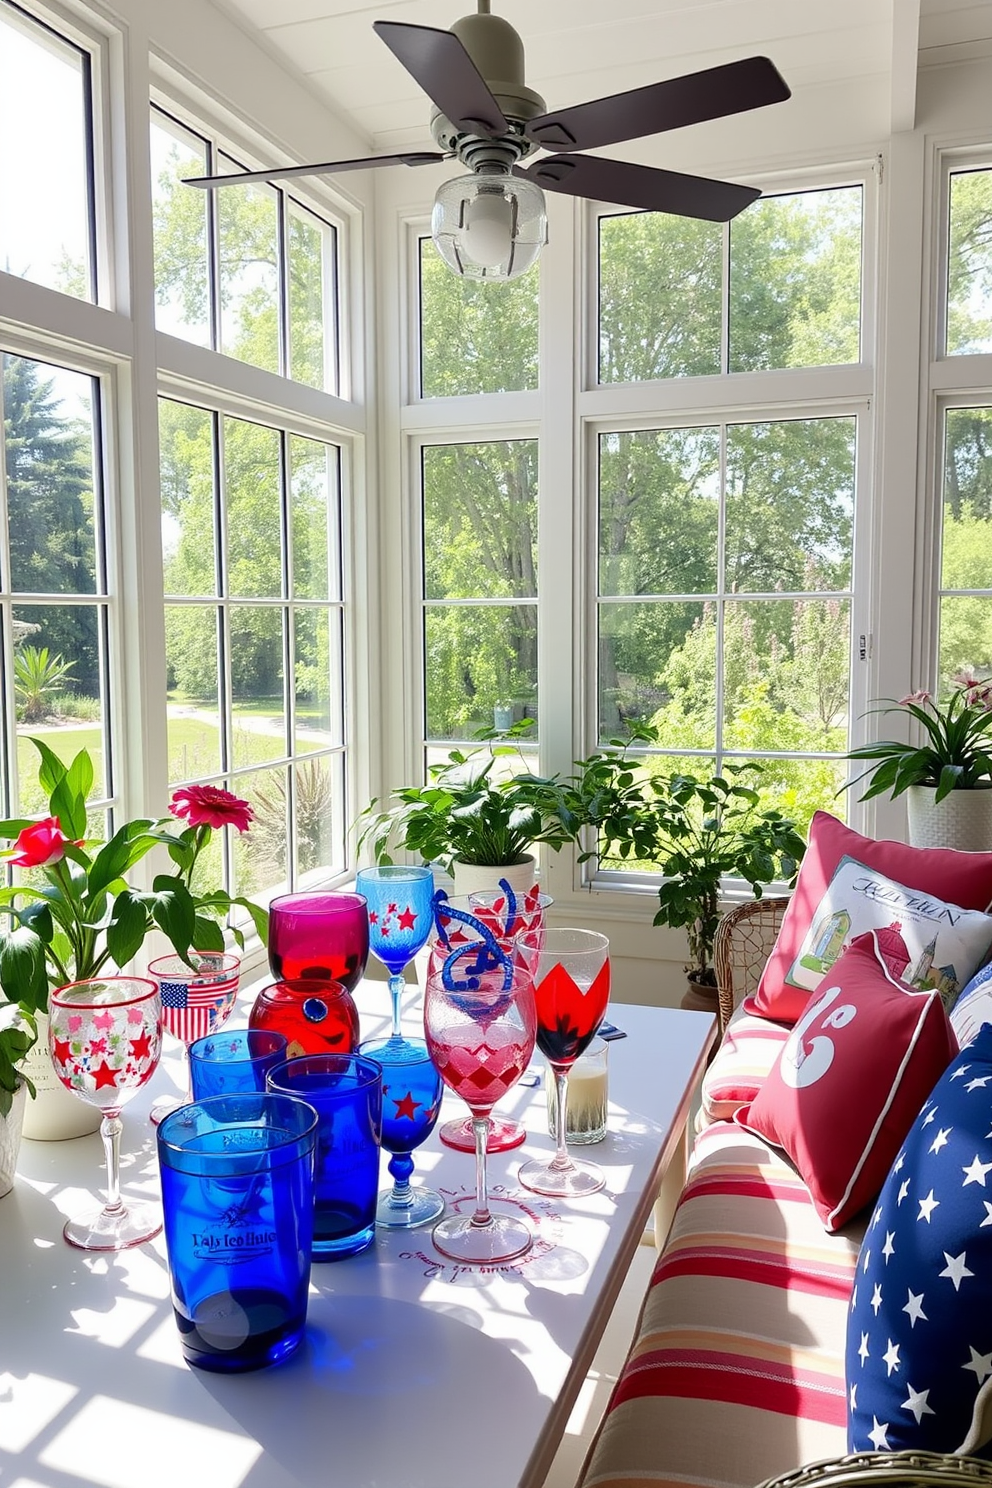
column 892, row 1469
column 743, row 943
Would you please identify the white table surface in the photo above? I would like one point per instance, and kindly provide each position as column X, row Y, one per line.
column 414, row 1373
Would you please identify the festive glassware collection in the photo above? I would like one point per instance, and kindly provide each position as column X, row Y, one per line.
column 498, row 983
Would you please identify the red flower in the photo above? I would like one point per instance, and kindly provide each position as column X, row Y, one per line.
column 208, row 805
column 40, row 844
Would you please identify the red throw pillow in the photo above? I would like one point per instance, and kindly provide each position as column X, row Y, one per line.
column 959, row 879
column 850, row 1082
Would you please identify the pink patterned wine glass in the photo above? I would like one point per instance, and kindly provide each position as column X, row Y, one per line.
column 105, row 1039
column 198, row 992
column 481, row 1038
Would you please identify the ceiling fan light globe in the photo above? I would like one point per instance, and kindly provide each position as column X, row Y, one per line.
column 487, row 227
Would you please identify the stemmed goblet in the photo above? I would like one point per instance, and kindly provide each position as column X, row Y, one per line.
column 399, row 913
column 571, row 973
column 481, row 1038
column 478, row 919
column 411, row 1100
column 198, row 992
column 105, row 1039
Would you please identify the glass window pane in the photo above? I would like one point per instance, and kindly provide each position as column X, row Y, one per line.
column 799, row 787
column 657, row 665
column 257, row 692
column 252, row 479
column 314, row 494
column 660, row 297
column 58, row 689
column 186, row 457
column 193, row 710
column 261, row 856
column 786, row 666
column 247, row 228
column 45, row 125
column 795, row 281
column 966, row 545
column 969, row 270
column 478, row 656
column 311, row 247
column 320, row 816
column 659, row 495
column 182, row 303
column 49, row 453
column 790, row 505
column 318, row 673
column 475, row 337
column 965, row 637
column 480, row 519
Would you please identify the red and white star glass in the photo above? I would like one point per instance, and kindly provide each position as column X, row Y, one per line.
column 105, row 1039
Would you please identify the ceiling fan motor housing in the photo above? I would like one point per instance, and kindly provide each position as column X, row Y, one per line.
column 498, row 53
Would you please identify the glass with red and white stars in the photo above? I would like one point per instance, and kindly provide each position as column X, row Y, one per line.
column 105, row 1039
column 400, row 910
column 411, row 1100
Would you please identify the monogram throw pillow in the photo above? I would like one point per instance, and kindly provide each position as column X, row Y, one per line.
column 850, row 1080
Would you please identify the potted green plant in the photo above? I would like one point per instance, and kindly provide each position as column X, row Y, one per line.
column 947, row 777
column 471, row 814
column 698, row 833
column 18, row 1032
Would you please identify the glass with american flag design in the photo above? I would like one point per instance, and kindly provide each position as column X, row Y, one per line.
column 198, row 992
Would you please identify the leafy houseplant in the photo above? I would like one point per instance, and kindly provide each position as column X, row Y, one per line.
column 698, row 832
column 957, row 750
column 18, row 1035
column 467, row 811
column 82, row 914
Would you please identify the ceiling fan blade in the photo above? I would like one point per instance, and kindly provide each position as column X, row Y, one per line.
column 753, row 82
column 443, row 68
column 283, row 172
column 640, row 186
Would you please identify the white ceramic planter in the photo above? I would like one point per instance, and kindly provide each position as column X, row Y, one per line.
column 473, row 878
column 54, row 1114
column 962, row 819
column 10, row 1139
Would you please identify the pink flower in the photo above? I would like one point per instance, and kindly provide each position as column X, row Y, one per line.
column 208, row 805
column 915, row 697
column 40, row 844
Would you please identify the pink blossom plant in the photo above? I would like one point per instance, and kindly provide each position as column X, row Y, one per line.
column 956, row 748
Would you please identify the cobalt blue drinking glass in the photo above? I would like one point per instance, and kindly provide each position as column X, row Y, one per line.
column 411, row 1100
column 237, row 1195
column 400, row 907
column 346, row 1092
column 237, row 1060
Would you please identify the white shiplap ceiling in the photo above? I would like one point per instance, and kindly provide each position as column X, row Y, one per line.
column 851, row 64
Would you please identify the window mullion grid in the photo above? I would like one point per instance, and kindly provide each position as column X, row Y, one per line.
column 720, row 599
column 282, row 279
column 288, row 641
column 213, row 255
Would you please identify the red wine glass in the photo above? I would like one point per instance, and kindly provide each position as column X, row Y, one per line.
column 571, row 971
column 319, row 935
column 481, row 1039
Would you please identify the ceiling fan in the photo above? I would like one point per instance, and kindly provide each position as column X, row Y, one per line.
column 492, row 223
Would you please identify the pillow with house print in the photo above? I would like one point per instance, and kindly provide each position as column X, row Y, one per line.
column 924, row 941
column 919, row 1338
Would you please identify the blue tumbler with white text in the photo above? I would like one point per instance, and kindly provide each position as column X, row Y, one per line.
column 237, row 1195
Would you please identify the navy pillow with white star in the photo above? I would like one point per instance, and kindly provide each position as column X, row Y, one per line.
column 919, row 1332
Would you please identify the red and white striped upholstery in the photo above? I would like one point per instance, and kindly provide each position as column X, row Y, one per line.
column 750, row 1047
column 736, row 1372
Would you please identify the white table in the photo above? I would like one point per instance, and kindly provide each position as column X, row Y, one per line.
column 413, row 1374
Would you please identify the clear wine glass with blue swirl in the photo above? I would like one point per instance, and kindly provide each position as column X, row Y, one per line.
column 411, row 1100
column 400, row 906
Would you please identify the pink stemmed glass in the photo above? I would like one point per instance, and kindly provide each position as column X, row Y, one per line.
column 105, row 1039
column 481, row 1038
column 506, row 916
column 198, row 992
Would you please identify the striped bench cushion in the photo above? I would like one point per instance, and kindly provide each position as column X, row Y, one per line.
column 736, row 1371
column 750, row 1047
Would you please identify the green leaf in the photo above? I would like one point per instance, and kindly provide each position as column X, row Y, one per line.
column 128, row 924
column 207, row 934
column 173, row 910
column 51, row 771
column 23, row 976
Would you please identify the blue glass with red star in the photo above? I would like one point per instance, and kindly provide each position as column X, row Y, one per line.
column 411, row 1100
column 400, row 910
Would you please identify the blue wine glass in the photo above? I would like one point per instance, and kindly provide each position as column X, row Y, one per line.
column 411, row 1100
column 400, row 909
